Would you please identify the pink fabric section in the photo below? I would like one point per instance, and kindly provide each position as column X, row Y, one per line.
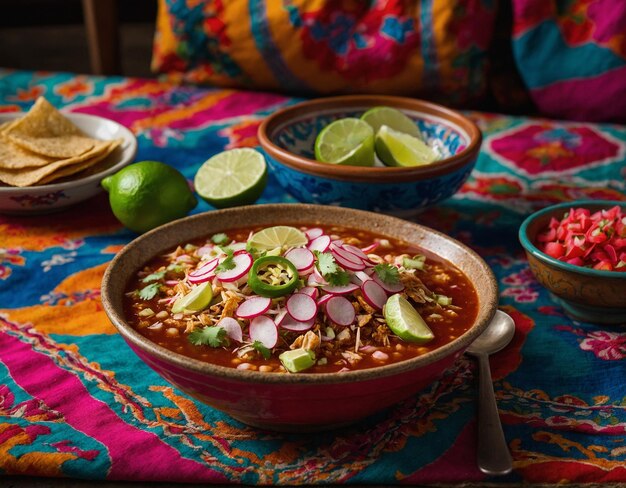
column 62, row 391
column 601, row 98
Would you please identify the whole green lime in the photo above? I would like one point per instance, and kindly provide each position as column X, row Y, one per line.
column 147, row 194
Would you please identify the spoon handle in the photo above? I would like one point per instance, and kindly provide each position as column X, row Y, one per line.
column 494, row 457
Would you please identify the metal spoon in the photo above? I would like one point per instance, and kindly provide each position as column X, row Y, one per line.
column 494, row 457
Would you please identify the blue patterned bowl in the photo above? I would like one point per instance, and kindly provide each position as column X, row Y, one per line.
column 288, row 138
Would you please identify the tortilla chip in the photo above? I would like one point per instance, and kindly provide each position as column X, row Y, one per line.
column 30, row 176
column 45, row 131
column 13, row 156
column 85, row 165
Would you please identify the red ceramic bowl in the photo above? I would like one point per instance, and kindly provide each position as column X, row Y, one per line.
column 290, row 402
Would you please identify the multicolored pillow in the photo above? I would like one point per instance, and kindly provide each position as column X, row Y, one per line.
column 572, row 56
column 431, row 48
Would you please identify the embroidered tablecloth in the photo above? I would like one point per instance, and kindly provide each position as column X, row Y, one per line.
column 76, row 402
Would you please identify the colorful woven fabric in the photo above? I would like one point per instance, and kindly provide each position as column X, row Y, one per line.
column 76, row 402
column 572, row 56
column 434, row 48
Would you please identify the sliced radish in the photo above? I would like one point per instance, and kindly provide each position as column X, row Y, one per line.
column 388, row 287
column 338, row 242
column 243, row 262
column 311, row 291
column 374, row 294
column 206, row 249
column 313, row 233
column 316, row 279
column 264, row 330
column 238, row 246
column 301, row 307
column 289, row 323
column 307, row 272
column 322, row 301
column 301, row 258
column 320, row 244
column 351, row 265
column 253, row 307
column 356, row 251
column 280, row 316
column 360, row 277
column 340, row 310
column 232, row 328
column 205, row 269
column 339, row 251
column 370, row 248
column 340, row 290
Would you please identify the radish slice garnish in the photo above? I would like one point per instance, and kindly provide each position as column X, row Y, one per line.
column 356, row 251
column 311, row 291
column 316, row 279
column 264, row 330
column 388, row 287
column 253, row 307
column 320, row 244
column 340, row 310
column 322, row 301
column 243, row 262
column 280, row 316
column 350, row 265
column 348, row 256
column 206, row 249
column 205, row 268
column 307, row 272
column 374, row 294
column 340, row 290
column 301, row 307
column 360, row 277
column 238, row 246
column 371, row 248
column 313, row 233
column 301, row 258
column 196, row 280
column 232, row 328
column 289, row 323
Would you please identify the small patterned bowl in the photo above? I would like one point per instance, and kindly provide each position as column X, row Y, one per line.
column 288, row 138
column 588, row 295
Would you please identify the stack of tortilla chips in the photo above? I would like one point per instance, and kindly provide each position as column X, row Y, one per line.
column 43, row 146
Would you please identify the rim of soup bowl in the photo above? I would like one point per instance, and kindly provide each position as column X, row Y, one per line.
column 444, row 166
column 488, row 302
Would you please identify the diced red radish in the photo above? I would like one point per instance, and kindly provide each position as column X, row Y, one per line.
column 340, row 290
column 301, row 258
column 311, row 291
column 360, row 277
column 322, row 301
column 350, row 265
column 371, row 248
column 243, row 262
column 340, row 310
column 374, row 294
column 301, row 307
column 388, row 287
column 320, row 243
column 313, row 233
column 289, row 323
column 264, row 330
column 232, row 328
column 253, row 307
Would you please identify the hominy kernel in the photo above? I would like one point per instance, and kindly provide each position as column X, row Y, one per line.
column 236, row 361
column 400, row 347
column 422, row 350
column 396, row 355
column 265, row 368
column 162, row 314
column 172, row 332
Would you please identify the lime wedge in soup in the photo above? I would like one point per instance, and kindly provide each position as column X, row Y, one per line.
column 398, row 149
column 280, row 236
column 405, row 322
column 392, row 118
column 348, row 141
column 197, row 299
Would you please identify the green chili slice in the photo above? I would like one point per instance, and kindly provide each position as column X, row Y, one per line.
column 272, row 276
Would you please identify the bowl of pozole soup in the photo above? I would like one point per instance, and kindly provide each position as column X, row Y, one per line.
column 298, row 317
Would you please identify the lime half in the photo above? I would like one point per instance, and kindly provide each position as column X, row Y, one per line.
column 278, row 237
column 405, row 321
column 197, row 299
column 231, row 178
column 346, row 141
column 398, row 149
column 392, row 118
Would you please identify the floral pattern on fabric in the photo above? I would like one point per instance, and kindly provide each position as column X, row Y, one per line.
column 433, row 48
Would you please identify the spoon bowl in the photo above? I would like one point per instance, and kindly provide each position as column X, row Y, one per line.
column 495, row 337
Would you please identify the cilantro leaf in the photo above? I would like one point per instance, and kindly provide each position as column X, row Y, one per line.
column 228, row 263
column 260, row 348
column 150, row 291
column 338, row 278
column 326, row 263
column 154, row 276
column 211, row 335
column 256, row 254
column 387, row 273
column 220, row 239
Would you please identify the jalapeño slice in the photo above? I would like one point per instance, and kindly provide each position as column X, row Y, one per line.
column 272, row 276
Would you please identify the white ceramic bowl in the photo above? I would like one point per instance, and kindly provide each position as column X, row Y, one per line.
column 76, row 188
